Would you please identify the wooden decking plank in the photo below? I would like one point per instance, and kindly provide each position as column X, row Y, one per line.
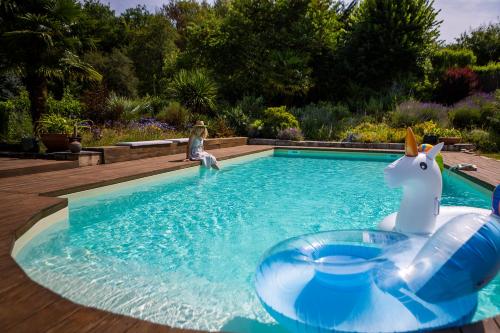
column 18, row 311
column 83, row 320
column 114, row 324
column 46, row 317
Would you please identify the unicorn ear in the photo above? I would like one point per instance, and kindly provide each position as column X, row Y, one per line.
column 435, row 150
column 411, row 149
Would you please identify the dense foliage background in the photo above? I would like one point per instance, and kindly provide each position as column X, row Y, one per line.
column 322, row 69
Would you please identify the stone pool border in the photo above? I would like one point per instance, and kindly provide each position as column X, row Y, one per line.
column 27, row 306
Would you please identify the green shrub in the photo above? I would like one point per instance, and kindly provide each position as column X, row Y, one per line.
column 123, row 108
column 445, row 58
column 219, row 128
column 322, row 121
column 448, row 132
column 68, row 106
column 276, row 119
column 252, row 106
column 255, row 128
column 430, row 127
column 236, row 118
column 15, row 118
column 156, row 103
column 426, row 128
column 174, row 114
column 194, row 90
column 6, row 108
column 489, row 76
column 55, row 123
column 465, row 117
column 483, row 140
column 380, row 132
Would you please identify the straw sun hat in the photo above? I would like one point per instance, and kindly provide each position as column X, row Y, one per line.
column 200, row 123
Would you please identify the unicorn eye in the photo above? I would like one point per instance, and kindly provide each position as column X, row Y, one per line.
column 423, row 165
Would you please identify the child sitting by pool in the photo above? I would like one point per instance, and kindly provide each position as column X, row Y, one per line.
column 195, row 150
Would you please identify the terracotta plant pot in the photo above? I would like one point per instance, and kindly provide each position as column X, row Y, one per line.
column 55, row 142
column 450, row 140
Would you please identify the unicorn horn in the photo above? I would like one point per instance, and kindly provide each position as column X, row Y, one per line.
column 411, row 149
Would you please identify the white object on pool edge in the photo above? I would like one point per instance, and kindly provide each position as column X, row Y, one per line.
column 180, row 140
column 144, row 143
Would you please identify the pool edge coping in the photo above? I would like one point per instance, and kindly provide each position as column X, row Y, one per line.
column 63, row 204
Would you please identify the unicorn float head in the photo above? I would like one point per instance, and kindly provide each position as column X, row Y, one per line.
column 420, row 177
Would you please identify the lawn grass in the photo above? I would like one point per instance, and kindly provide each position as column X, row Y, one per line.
column 495, row 156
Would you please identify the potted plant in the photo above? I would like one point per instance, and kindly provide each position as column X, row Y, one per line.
column 75, row 139
column 53, row 130
column 449, row 136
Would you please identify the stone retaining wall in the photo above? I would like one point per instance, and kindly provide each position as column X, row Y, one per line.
column 362, row 145
column 113, row 154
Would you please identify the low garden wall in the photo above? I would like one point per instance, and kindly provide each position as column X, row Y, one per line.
column 113, row 154
column 356, row 145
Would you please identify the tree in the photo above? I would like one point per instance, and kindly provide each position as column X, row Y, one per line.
column 265, row 48
column 386, row 42
column 41, row 44
column 182, row 13
column 105, row 30
column 117, row 70
column 152, row 40
column 483, row 41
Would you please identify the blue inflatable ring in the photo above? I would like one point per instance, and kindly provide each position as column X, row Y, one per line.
column 344, row 281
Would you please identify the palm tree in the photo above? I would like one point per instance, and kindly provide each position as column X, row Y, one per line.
column 40, row 44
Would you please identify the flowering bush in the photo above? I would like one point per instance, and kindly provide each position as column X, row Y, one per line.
column 368, row 132
column 293, row 134
column 322, row 121
column 475, row 111
column 150, row 124
column 412, row 112
column 456, row 84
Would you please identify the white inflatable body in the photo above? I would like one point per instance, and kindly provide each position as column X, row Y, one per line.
column 446, row 213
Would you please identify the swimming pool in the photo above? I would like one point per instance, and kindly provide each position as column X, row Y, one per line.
column 181, row 248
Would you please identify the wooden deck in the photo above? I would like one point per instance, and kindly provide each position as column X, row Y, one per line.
column 28, row 307
column 10, row 167
column 488, row 169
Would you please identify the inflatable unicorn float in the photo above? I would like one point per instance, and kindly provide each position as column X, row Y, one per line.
column 421, row 270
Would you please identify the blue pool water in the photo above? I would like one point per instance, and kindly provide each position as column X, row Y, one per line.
column 182, row 250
